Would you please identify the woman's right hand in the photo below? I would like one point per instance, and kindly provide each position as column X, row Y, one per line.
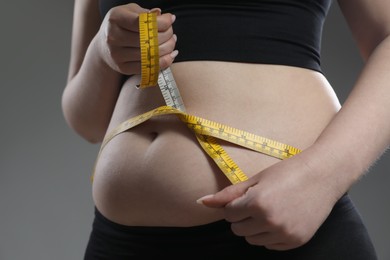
column 119, row 43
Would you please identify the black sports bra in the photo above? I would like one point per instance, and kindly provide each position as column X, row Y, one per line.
column 284, row 32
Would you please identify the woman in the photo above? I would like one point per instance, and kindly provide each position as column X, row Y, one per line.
column 253, row 65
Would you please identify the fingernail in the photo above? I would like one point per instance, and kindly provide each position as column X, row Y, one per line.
column 156, row 10
column 200, row 200
column 175, row 37
column 173, row 18
column 174, row 54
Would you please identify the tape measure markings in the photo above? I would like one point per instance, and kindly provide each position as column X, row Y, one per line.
column 150, row 66
column 240, row 137
column 205, row 127
column 222, row 159
column 170, row 90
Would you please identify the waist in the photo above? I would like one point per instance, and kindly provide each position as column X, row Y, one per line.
column 279, row 102
column 158, row 170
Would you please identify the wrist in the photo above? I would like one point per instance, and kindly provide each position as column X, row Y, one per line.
column 332, row 166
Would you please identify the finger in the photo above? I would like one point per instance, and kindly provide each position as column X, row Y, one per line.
column 248, row 227
column 239, row 211
column 129, row 59
column 129, row 54
column 125, row 34
column 134, row 67
column 125, row 54
column 165, row 21
column 168, row 46
column 126, row 16
column 223, row 197
column 117, row 36
column 167, row 60
column 165, row 36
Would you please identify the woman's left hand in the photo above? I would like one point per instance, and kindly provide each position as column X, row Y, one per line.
column 280, row 208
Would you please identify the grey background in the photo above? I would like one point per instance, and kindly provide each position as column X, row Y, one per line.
column 45, row 193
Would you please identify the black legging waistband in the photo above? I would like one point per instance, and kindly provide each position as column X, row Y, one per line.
column 342, row 236
column 211, row 228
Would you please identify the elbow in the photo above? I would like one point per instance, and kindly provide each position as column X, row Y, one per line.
column 368, row 47
column 92, row 140
column 88, row 136
column 91, row 132
column 85, row 131
column 92, row 137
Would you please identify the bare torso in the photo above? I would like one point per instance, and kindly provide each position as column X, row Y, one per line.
column 153, row 174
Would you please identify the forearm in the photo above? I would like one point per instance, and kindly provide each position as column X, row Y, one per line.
column 89, row 97
column 360, row 132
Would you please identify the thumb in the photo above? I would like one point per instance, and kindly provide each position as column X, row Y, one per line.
column 223, row 197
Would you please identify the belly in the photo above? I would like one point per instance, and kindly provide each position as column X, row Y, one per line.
column 154, row 173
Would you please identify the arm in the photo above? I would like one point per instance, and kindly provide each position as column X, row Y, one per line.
column 101, row 51
column 361, row 130
column 92, row 88
column 283, row 206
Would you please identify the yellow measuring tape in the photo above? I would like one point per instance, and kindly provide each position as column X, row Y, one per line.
column 150, row 67
column 207, row 132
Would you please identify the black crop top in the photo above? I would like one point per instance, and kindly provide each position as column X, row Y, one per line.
column 284, row 32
